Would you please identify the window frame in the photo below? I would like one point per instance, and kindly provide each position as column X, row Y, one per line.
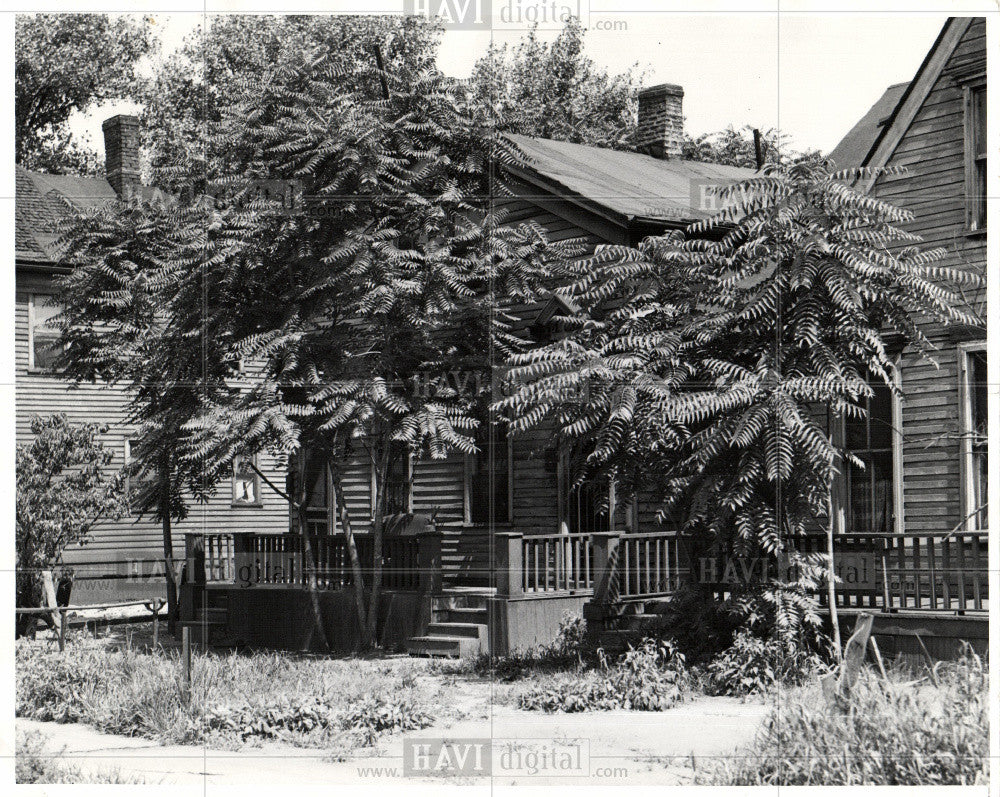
column 965, row 418
column 467, row 473
column 373, row 494
column 239, row 473
column 32, row 366
column 841, row 490
column 975, row 205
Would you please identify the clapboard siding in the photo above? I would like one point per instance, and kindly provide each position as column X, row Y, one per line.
column 115, row 545
column 933, row 188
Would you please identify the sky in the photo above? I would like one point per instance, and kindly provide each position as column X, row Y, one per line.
column 811, row 75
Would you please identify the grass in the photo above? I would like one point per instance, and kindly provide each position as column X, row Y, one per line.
column 32, row 764
column 236, row 699
column 900, row 731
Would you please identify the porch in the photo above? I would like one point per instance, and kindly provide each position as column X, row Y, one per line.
column 515, row 588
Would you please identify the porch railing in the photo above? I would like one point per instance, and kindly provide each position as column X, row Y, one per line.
column 934, row 571
column 249, row 559
column 544, row 564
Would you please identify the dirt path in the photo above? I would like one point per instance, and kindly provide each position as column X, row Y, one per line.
column 623, row 746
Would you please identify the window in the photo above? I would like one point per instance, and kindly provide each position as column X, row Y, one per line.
column 586, row 512
column 975, row 157
column 42, row 336
column 870, row 490
column 489, row 476
column 246, row 483
column 397, row 482
column 585, row 508
column 974, row 435
column 128, row 472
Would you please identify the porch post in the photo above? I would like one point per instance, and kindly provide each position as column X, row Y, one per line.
column 243, row 558
column 605, row 551
column 429, row 561
column 508, row 564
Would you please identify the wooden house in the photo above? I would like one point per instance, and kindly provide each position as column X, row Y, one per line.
column 516, row 548
column 125, row 557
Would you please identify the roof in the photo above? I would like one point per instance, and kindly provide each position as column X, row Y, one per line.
column 629, row 185
column 853, row 149
column 915, row 94
column 41, row 200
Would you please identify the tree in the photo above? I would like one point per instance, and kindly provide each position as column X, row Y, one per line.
column 557, row 91
column 379, row 259
column 710, row 358
column 64, row 486
column 189, row 90
column 64, row 63
column 732, row 147
column 128, row 276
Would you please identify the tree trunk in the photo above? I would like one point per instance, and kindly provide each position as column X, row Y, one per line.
column 833, row 526
column 371, row 632
column 308, row 559
column 168, row 550
column 352, row 551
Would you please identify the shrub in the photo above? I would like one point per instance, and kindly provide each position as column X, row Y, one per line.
column 32, row 764
column 567, row 650
column 232, row 697
column 896, row 732
column 372, row 716
column 650, row 677
column 752, row 665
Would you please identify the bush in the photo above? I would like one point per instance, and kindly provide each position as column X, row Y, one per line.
column 752, row 665
column 232, row 697
column 896, row 732
column 650, row 677
column 372, row 716
column 568, row 650
column 33, row 764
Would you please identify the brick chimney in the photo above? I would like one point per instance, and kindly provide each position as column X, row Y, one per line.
column 661, row 121
column 121, row 153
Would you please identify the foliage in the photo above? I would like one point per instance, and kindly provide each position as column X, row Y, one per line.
column 736, row 147
column 191, row 88
column 567, row 651
column 896, row 732
column 711, row 357
column 756, row 665
column 66, row 63
column 34, row 764
column 386, row 265
column 650, row 677
column 136, row 693
column 65, row 484
column 374, row 715
column 556, row 91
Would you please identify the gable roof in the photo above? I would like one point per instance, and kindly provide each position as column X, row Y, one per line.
column 41, row 200
column 916, row 93
column 628, row 186
column 853, row 149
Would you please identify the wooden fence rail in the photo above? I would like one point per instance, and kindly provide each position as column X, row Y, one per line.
column 252, row 559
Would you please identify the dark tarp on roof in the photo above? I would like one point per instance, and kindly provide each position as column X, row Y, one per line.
column 854, row 148
column 631, row 185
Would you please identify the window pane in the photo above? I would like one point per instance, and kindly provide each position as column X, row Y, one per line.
column 880, row 418
column 43, row 336
column 979, row 122
column 488, row 487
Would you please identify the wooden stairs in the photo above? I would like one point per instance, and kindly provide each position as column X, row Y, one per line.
column 459, row 625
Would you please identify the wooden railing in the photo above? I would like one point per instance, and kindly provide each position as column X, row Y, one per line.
column 249, row 559
column 650, row 565
column 556, row 563
column 915, row 570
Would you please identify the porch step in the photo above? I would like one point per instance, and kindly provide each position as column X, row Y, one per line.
column 471, row 630
column 451, row 646
column 462, row 615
